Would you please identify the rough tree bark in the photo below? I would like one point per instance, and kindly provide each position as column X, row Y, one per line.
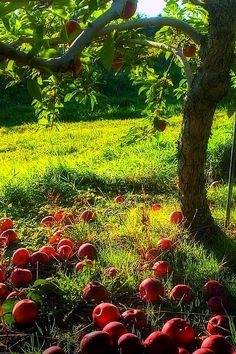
column 209, row 86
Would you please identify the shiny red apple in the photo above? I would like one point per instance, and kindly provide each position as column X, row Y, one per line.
column 134, row 318
column 218, row 344
column 87, row 250
column 151, row 290
column 97, row 342
column 182, row 293
column 105, row 313
column 176, row 217
column 160, row 343
column 21, row 257
column 161, row 269
column 25, row 312
column 130, row 344
column 95, row 292
column 179, row 330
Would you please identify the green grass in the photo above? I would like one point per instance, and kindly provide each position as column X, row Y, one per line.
column 83, row 165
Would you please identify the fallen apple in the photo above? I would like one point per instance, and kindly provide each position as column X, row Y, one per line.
column 218, row 344
column 134, row 318
column 179, row 331
column 25, row 312
column 219, row 325
column 10, row 235
column 96, row 342
column 21, row 257
column 116, row 330
column 95, row 292
column 160, row 343
column 182, row 293
column 176, row 217
column 20, row 277
column 161, row 269
column 87, row 250
column 213, row 288
column 87, row 216
column 105, row 313
column 53, row 350
column 151, row 290
column 130, row 344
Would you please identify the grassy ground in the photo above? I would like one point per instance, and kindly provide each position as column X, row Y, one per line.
column 80, row 166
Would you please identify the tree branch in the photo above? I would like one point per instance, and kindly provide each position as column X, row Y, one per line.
column 176, row 51
column 191, row 32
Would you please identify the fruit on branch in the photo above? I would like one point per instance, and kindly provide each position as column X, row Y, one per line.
column 218, row 344
column 87, row 216
column 219, row 325
column 117, row 64
column 73, row 26
column 189, row 50
column 151, row 290
column 134, row 318
column 176, row 217
column 96, row 342
column 161, row 269
column 105, row 313
column 179, row 331
column 21, row 257
column 95, row 291
column 116, row 330
column 20, row 277
column 25, row 312
column 158, row 343
column 183, row 293
column 129, row 9
column 130, row 344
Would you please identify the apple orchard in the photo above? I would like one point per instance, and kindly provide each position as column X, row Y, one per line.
column 55, row 46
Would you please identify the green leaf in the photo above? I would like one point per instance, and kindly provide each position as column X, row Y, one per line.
column 7, row 308
column 34, row 89
column 107, row 52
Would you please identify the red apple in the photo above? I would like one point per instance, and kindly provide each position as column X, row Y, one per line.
column 59, row 214
column 129, row 9
column 134, row 318
column 213, row 288
column 115, row 329
column 20, row 277
column 5, row 223
column 105, row 313
column 17, row 294
column 87, row 250
column 65, row 252
column 72, row 26
column 179, row 330
column 80, row 265
column 189, row 50
column 219, row 325
column 161, row 125
column 97, row 342
column 183, row 351
column 218, row 344
column 217, row 304
column 203, row 351
column 155, row 207
column 161, row 269
column 21, row 257
column 119, row 199
column 95, row 292
column 25, row 312
column 3, row 292
column 10, row 235
column 182, row 293
column 53, row 350
column 39, row 258
column 117, row 64
column 130, row 344
column 176, row 217
column 151, row 290
column 50, row 251
column 111, row 272
column 48, row 221
column 2, row 275
column 165, row 244
column 65, row 242
column 160, row 343
column 87, row 216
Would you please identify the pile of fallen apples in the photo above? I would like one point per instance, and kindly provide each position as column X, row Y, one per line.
column 116, row 331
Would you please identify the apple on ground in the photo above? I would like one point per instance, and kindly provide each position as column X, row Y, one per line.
column 2, row 275
column 65, row 252
column 158, row 343
column 213, row 288
column 179, row 331
column 5, row 223
column 96, row 342
column 87, row 216
column 87, row 250
column 95, row 292
column 134, row 318
column 53, row 350
column 111, row 272
column 20, row 277
column 48, row 221
column 80, row 265
column 10, row 235
column 119, row 199
column 50, row 251
column 182, row 293
column 219, row 325
column 151, row 290
column 129, row 343
column 65, row 242
column 165, row 244
column 39, row 258
column 161, row 269
column 3, row 292
column 21, row 257
column 176, row 217
column 25, row 312
column 218, row 344
column 116, row 330
column 217, row 304
column 155, row 207
column 105, row 313
column 203, row 351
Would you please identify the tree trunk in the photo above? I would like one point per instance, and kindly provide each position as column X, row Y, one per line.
column 209, row 86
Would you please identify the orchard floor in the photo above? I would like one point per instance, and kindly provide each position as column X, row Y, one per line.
column 83, row 166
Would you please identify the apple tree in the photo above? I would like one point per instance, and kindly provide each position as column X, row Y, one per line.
column 56, row 46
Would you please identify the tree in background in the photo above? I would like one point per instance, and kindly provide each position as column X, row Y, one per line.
column 48, row 41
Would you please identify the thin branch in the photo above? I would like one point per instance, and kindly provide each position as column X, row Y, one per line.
column 176, row 51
